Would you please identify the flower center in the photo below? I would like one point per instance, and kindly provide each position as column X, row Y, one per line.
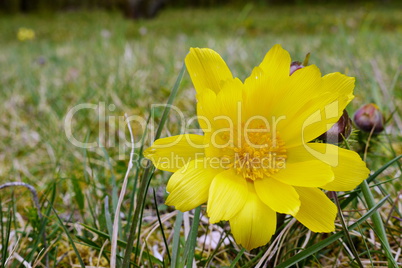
column 259, row 155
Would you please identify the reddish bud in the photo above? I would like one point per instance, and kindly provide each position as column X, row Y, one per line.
column 339, row 131
column 294, row 66
column 369, row 118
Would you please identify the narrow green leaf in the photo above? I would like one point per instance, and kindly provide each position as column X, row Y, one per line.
column 192, row 239
column 381, row 169
column 7, row 238
column 378, row 224
column 169, row 102
column 42, row 229
column 328, row 241
column 77, row 253
column 108, row 217
column 103, row 234
column 238, row 256
column 121, row 243
column 78, row 195
column 161, row 226
column 143, row 185
column 176, row 239
column 149, row 259
column 345, row 231
column 354, row 194
column 115, row 196
column 2, row 236
column 136, row 176
column 143, row 200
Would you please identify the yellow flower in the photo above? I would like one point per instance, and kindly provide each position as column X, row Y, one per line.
column 25, row 34
column 256, row 157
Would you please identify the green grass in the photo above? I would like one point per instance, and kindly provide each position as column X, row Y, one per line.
column 103, row 59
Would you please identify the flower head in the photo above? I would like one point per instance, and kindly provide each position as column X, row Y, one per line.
column 255, row 158
column 25, row 34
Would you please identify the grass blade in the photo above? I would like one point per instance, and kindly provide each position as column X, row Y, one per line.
column 108, row 217
column 117, row 221
column 345, row 231
column 169, row 103
column 160, row 224
column 192, row 239
column 70, row 239
column 78, row 196
column 7, row 237
column 353, row 195
column 176, row 239
column 148, row 181
column 136, row 176
column 378, row 224
column 328, row 241
column 3, row 246
column 141, row 191
column 149, row 259
column 380, row 170
column 121, row 243
column 238, row 256
column 43, row 223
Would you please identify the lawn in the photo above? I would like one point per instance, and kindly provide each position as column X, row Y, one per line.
column 109, row 66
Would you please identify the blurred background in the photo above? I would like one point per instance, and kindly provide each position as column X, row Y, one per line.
column 149, row 8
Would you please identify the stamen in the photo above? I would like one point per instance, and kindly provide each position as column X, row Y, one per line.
column 261, row 155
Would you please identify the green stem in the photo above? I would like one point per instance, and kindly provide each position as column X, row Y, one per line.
column 176, row 239
column 328, row 241
column 131, row 238
column 147, row 172
column 378, row 224
column 346, row 232
column 192, row 238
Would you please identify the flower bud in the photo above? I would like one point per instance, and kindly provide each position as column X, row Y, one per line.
column 294, row 66
column 339, row 131
column 369, row 118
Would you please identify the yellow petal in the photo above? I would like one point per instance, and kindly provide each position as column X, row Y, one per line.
column 301, row 88
column 207, row 69
column 174, row 152
column 316, row 212
column 253, row 81
column 348, row 168
column 349, row 171
column 207, row 109
column 313, row 116
column 267, row 83
column 280, row 197
column 255, row 223
column 189, row 186
column 305, row 174
column 227, row 195
column 259, row 90
column 222, row 110
column 230, row 100
column 216, row 141
column 276, row 63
